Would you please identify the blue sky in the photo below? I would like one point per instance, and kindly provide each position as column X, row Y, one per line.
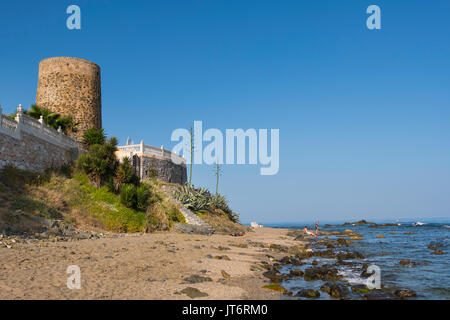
column 364, row 116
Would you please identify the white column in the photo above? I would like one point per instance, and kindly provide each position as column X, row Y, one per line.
column 60, row 133
column 19, row 115
column 41, row 120
column 142, row 147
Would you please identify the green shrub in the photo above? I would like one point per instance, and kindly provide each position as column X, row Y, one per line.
column 125, row 174
column 100, row 162
column 66, row 170
column 104, row 205
column 175, row 214
column 128, row 195
column 94, row 136
column 53, row 119
column 142, row 197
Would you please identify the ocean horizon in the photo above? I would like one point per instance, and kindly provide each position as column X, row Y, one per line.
column 342, row 221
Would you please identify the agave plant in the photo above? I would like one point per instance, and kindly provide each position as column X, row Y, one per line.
column 201, row 199
column 220, row 202
column 195, row 199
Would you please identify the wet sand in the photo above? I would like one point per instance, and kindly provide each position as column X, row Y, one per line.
column 144, row 266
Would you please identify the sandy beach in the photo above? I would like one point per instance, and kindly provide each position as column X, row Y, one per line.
column 145, row 266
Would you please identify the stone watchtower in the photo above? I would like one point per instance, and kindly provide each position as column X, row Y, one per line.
column 71, row 86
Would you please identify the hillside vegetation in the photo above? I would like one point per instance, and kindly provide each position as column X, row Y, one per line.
column 30, row 199
column 100, row 193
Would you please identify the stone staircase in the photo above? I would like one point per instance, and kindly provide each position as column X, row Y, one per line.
column 194, row 224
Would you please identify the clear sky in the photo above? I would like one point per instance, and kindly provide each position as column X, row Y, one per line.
column 364, row 115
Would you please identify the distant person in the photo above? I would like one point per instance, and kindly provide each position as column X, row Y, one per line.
column 309, row 232
column 317, row 227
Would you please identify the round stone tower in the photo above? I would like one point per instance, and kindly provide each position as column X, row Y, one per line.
column 71, row 86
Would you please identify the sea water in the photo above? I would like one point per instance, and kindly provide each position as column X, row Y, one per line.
column 429, row 276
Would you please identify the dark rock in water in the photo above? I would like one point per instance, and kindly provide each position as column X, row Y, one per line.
column 379, row 295
column 344, row 242
column 437, row 252
column 335, row 290
column 361, row 288
column 324, row 254
column 308, row 293
column 349, row 255
column 326, row 287
column 197, row 279
column 324, row 272
column 296, row 273
column 345, row 263
column 383, row 225
column 432, row 246
column 365, row 274
column 275, row 287
column 361, row 222
column 405, row 293
column 274, row 275
column 407, row 262
column 193, row 293
column 291, row 260
column 304, row 255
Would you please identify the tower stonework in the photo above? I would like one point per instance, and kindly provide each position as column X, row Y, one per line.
column 71, row 87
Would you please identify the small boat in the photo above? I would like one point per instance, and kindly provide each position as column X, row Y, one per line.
column 418, row 224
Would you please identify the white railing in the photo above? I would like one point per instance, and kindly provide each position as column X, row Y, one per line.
column 8, row 123
column 36, row 124
column 37, row 128
column 149, row 151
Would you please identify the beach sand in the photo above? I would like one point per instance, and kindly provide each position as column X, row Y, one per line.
column 144, row 266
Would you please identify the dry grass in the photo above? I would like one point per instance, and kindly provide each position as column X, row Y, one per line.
column 221, row 222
